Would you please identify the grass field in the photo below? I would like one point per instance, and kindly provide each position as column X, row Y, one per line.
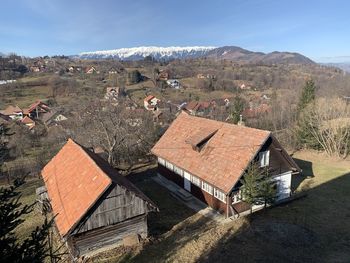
column 312, row 229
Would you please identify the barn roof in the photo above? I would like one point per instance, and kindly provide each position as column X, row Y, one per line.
column 75, row 179
column 216, row 152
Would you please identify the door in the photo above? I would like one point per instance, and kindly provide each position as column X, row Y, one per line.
column 187, row 181
column 283, row 186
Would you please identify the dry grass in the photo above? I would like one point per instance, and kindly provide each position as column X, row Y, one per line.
column 313, row 229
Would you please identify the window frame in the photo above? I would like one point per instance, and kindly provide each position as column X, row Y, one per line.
column 264, row 158
column 218, row 193
column 178, row 170
column 195, row 180
column 207, row 188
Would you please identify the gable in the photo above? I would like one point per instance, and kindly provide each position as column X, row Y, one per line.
column 116, row 205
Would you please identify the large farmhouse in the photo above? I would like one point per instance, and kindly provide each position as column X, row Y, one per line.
column 208, row 158
column 94, row 206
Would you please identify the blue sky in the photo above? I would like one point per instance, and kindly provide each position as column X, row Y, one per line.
column 318, row 29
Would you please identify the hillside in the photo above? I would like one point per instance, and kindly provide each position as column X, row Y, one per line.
column 242, row 55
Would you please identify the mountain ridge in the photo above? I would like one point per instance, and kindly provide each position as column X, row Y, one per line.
column 233, row 53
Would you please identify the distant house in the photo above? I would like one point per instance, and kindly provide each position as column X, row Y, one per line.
column 254, row 112
column 150, row 102
column 163, row 75
column 91, row 70
column 113, row 70
column 208, row 158
column 113, row 93
column 243, row 86
column 13, row 112
column 95, row 207
column 37, row 109
column 206, row 76
column 52, row 117
column 74, row 69
column 28, row 122
column 34, row 69
column 174, row 83
column 199, row 108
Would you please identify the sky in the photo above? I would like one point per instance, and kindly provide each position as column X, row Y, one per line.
column 317, row 29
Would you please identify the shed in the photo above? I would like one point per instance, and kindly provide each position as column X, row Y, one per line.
column 95, row 206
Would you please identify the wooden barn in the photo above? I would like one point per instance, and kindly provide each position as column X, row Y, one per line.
column 95, row 207
column 208, row 158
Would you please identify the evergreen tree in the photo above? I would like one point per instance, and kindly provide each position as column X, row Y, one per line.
column 35, row 247
column 236, row 109
column 307, row 95
column 257, row 186
column 303, row 132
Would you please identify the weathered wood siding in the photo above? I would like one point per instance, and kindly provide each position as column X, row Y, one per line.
column 107, row 236
column 117, row 205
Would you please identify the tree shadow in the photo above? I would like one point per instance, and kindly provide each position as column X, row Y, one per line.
column 171, row 210
column 313, row 229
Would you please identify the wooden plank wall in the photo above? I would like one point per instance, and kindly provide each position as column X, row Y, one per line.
column 106, row 236
column 116, row 206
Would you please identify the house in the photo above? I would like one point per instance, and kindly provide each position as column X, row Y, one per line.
column 91, row 70
column 28, row 122
column 199, row 108
column 113, row 70
column 52, row 117
column 74, row 69
column 13, row 112
column 255, row 112
column 208, row 158
column 113, row 93
column 174, row 83
column 150, row 102
column 163, row 75
column 34, row 69
column 37, row 109
column 95, row 206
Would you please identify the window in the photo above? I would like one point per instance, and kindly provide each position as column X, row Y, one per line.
column 168, row 165
column 237, row 197
column 219, row 195
column 264, row 158
column 195, row 180
column 178, row 170
column 161, row 161
column 208, row 188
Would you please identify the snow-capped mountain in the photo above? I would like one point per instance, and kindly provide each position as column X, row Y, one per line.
column 137, row 53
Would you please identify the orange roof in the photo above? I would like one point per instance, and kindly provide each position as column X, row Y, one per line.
column 74, row 183
column 225, row 149
column 27, row 120
column 75, row 180
column 11, row 110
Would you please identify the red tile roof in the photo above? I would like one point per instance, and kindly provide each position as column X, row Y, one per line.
column 11, row 110
column 43, row 107
column 75, row 179
column 149, row 98
column 221, row 162
column 27, row 120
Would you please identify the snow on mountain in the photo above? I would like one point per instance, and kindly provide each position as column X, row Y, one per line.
column 138, row 53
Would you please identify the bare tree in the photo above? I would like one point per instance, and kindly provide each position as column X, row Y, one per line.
column 328, row 121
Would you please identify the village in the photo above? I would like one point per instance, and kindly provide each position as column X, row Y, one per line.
column 135, row 158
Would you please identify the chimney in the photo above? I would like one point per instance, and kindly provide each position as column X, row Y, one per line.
column 241, row 122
